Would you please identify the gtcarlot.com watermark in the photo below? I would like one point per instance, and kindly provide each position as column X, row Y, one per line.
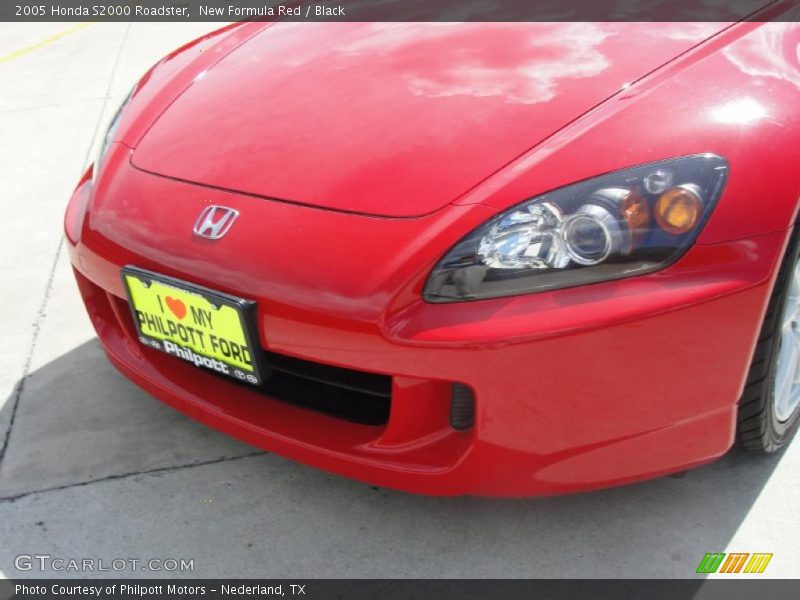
column 59, row 564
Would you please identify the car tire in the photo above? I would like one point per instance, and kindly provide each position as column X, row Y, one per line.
column 763, row 423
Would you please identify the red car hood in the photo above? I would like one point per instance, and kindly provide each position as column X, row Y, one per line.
column 394, row 119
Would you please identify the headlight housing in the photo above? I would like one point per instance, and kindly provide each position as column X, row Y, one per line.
column 106, row 139
column 618, row 225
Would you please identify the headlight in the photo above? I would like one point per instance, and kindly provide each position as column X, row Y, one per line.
column 618, row 225
column 108, row 136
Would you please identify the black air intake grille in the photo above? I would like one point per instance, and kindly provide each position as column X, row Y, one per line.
column 353, row 395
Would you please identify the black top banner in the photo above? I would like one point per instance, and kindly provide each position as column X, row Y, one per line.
column 397, row 10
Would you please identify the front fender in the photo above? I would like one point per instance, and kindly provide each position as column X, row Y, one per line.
column 736, row 96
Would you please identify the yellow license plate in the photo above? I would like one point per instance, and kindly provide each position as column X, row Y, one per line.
column 209, row 329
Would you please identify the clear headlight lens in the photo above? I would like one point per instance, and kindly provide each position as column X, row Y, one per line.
column 108, row 136
column 618, row 225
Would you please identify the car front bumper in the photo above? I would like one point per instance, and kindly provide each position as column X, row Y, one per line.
column 574, row 389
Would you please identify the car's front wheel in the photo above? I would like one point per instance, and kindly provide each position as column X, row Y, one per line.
column 770, row 405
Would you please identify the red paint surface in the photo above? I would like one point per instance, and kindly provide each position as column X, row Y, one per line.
column 575, row 388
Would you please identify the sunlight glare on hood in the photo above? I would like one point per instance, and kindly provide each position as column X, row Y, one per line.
column 743, row 111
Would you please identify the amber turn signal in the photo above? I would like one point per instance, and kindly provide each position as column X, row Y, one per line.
column 678, row 209
column 634, row 210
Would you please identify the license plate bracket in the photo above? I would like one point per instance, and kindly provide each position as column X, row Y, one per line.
column 212, row 330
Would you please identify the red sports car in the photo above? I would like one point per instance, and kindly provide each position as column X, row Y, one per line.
column 451, row 258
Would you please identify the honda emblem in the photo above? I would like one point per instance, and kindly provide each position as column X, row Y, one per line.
column 215, row 221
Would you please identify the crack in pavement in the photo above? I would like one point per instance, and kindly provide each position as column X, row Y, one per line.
column 37, row 326
column 41, row 313
column 158, row 470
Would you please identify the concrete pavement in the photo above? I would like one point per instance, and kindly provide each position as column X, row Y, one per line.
column 92, row 467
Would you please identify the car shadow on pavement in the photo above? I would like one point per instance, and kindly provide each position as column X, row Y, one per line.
column 96, row 468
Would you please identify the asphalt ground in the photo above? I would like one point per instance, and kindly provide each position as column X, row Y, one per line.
column 92, row 467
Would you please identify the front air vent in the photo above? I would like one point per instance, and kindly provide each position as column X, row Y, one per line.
column 462, row 406
column 357, row 396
